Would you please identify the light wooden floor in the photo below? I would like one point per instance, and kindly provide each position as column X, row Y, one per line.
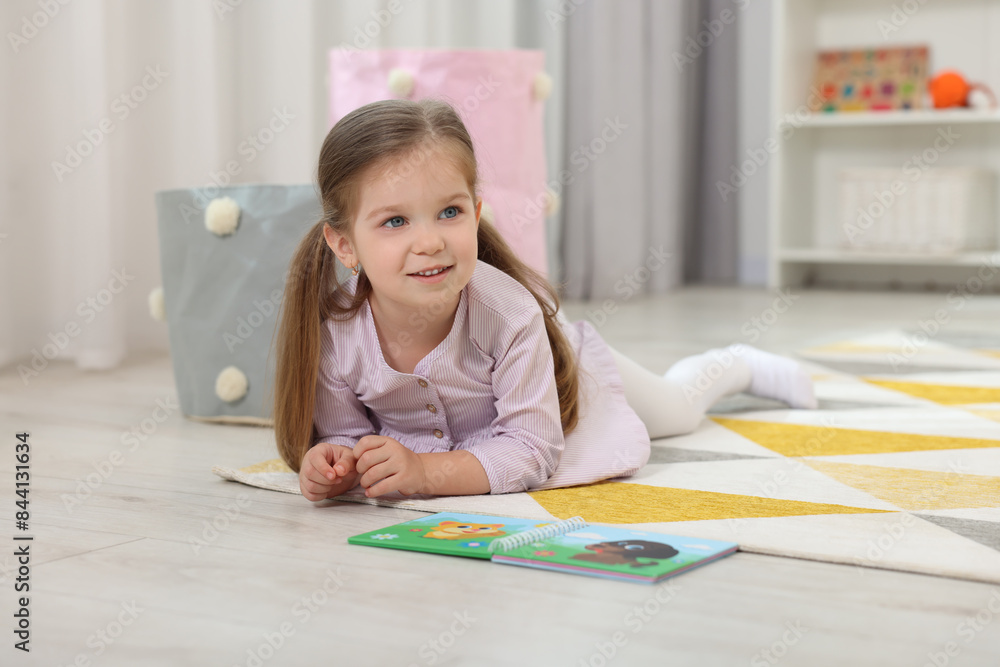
column 124, row 562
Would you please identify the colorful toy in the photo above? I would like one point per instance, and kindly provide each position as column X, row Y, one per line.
column 950, row 89
column 872, row 79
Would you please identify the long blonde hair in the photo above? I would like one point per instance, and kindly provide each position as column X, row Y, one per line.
column 373, row 136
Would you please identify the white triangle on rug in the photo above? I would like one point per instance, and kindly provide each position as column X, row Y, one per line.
column 898, row 541
column 989, row 379
column 849, row 388
column 929, row 419
column 982, row 461
column 780, row 479
column 901, row 349
column 713, row 437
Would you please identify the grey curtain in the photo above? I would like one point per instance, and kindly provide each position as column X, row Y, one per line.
column 648, row 134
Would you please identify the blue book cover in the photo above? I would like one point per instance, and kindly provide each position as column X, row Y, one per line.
column 615, row 552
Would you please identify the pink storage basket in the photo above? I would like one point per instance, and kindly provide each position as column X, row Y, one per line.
column 498, row 94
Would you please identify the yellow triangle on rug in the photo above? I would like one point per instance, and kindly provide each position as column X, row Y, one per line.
column 939, row 393
column 911, row 489
column 803, row 440
column 625, row 502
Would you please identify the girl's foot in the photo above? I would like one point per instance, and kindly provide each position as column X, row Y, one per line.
column 774, row 376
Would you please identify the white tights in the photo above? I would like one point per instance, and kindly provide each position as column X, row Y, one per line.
column 675, row 403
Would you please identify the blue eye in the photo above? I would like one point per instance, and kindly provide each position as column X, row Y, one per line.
column 390, row 220
column 456, row 209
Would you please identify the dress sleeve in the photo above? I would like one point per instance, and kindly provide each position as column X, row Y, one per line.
column 339, row 418
column 527, row 440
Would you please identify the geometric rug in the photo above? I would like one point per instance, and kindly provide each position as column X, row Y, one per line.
column 899, row 468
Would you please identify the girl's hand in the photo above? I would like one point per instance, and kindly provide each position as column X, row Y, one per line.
column 327, row 470
column 386, row 465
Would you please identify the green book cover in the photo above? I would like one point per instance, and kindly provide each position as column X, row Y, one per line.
column 572, row 545
column 448, row 533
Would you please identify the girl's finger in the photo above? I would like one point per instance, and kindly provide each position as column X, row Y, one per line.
column 387, row 485
column 319, row 471
column 322, row 457
column 313, row 491
column 365, row 461
column 377, row 473
column 368, row 443
column 346, row 463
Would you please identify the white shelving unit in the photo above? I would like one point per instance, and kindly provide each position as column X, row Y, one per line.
column 813, row 148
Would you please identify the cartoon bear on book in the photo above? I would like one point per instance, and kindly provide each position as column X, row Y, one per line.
column 626, row 552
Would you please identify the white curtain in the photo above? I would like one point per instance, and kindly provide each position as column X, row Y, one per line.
column 649, row 191
column 108, row 101
column 626, row 143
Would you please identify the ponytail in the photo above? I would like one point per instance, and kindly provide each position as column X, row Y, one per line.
column 307, row 302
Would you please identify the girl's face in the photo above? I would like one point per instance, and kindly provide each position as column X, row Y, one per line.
column 415, row 215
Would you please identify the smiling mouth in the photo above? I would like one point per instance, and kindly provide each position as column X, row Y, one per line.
column 427, row 275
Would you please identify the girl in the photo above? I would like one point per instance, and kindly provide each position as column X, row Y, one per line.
column 443, row 365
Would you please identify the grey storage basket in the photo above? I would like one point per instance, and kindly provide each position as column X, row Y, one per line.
column 222, row 293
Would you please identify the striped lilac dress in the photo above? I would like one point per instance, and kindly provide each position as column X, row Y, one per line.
column 488, row 388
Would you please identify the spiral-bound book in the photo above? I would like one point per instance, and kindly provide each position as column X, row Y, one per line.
column 572, row 545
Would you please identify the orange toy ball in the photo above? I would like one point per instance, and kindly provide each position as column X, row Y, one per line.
column 949, row 89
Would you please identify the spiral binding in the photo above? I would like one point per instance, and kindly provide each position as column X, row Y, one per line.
column 536, row 534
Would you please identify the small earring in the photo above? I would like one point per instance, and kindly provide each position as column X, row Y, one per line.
column 354, row 269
